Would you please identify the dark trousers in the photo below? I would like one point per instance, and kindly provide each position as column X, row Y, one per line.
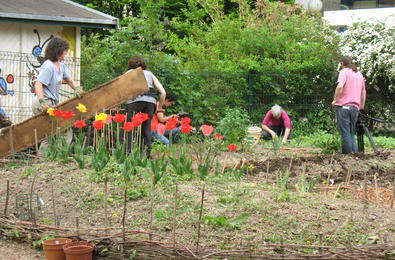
column 146, row 137
column 279, row 130
column 346, row 119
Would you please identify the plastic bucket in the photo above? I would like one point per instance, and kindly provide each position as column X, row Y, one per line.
column 78, row 250
column 53, row 248
column 253, row 134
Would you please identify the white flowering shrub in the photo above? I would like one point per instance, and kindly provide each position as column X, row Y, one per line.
column 372, row 47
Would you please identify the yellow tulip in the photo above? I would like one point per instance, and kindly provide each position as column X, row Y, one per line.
column 101, row 117
column 81, row 108
column 50, row 111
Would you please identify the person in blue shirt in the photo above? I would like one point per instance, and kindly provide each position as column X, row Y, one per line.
column 52, row 74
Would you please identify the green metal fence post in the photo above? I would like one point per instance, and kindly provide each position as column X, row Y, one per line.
column 250, row 93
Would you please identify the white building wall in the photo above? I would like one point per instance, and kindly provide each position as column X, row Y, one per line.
column 348, row 17
column 17, row 43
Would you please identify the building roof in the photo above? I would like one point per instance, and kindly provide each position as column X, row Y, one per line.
column 54, row 12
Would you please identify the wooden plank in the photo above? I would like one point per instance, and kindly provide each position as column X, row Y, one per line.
column 116, row 91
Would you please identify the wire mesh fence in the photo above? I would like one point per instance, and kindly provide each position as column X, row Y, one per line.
column 17, row 71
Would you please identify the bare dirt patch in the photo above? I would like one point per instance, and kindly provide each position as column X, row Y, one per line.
column 17, row 251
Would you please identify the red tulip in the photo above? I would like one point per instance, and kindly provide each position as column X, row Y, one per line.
column 127, row 126
column 161, row 129
column 119, row 118
column 137, row 121
column 142, row 116
column 58, row 113
column 98, row 124
column 206, row 129
column 171, row 123
column 232, row 147
column 218, row 137
column 67, row 115
column 185, row 121
column 79, row 123
column 185, row 128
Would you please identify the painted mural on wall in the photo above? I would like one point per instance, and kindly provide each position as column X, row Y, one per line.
column 4, row 83
column 33, row 66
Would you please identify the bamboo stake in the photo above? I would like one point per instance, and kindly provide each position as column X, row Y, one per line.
column 267, row 169
column 125, row 191
column 175, row 216
column 376, row 189
column 36, row 139
column 329, row 172
column 331, row 161
column 151, row 205
column 105, row 199
column 53, row 204
column 7, row 198
column 32, row 213
column 348, row 177
column 200, row 218
column 365, row 188
column 320, row 236
column 290, row 163
column 393, row 195
column 77, row 225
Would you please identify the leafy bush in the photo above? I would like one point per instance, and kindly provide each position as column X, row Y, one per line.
column 233, row 125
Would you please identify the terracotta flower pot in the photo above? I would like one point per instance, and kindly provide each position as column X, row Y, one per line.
column 53, row 248
column 78, row 250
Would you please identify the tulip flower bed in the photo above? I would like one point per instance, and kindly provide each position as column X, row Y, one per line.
column 204, row 192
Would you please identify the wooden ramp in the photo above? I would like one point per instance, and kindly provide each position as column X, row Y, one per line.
column 22, row 135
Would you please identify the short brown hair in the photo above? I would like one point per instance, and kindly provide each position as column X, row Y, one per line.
column 136, row 62
column 55, row 48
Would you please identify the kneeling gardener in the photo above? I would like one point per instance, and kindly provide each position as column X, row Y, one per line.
column 276, row 123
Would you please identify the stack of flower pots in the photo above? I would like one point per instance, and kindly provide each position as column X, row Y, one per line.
column 53, row 248
column 65, row 249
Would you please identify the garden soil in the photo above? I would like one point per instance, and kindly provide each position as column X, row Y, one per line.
column 354, row 189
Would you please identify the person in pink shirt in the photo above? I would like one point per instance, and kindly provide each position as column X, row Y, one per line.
column 276, row 123
column 349, row 98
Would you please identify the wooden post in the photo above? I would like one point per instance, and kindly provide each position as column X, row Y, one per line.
column 7, row 198
column 200, row 218
column 175, row 215
column 36, row 139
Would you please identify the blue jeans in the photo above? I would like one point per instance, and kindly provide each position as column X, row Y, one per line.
column 165, row 137
column 346, row 119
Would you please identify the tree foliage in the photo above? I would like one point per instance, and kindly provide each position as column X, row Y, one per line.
column 371, row 44
column 214, row 53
